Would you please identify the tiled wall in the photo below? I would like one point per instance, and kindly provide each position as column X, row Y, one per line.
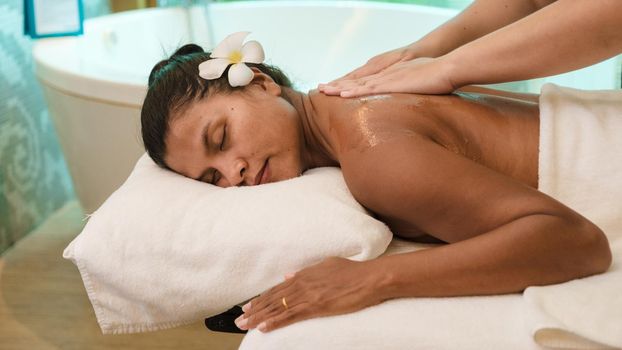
column 34, row 181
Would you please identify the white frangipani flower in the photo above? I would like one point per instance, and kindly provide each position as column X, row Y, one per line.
column 231, row 51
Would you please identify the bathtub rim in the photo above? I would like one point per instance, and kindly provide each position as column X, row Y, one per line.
column 67, row 75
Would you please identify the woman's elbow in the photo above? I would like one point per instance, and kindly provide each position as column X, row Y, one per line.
column 592, row 248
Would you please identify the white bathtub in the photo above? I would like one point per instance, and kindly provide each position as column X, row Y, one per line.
column 95, row 84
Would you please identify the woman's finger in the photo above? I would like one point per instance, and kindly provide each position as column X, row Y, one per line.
column 380, row 84
column 258, row 314
column 363, row 71
column 415, row 76
column 332, row 90
column 295, row 314
column 333, row 286
column 376, row 64
column 268, row 301
column 355, row 76
column 269, row 308
column 356, row 83
column 373, row 66
column 350, row 84
column 343, row 83
column 256, row 303
column 423, row 75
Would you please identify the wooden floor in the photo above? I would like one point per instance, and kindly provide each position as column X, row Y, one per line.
column 43, row 304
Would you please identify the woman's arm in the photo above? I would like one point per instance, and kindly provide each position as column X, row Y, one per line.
column 477, row 20
column 504, row 236
column 561, row 37
column 558, row 38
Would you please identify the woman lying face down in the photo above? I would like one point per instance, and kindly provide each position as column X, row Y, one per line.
column 459, row 169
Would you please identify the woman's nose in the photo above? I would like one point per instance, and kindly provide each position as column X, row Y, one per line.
column 237, row 172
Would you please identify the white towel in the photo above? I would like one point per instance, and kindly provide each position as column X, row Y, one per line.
column 165, row 250
column 581, row 166
column 465, row 323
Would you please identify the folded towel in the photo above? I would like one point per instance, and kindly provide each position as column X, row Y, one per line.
column 581, row 166
column 165, row 250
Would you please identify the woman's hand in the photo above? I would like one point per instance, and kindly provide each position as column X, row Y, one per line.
column 422, row 75
column 332, row 287
column 379, row 63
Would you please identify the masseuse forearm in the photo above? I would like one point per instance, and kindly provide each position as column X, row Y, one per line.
column 556, row 39
column 479, row 19
column 534, row 250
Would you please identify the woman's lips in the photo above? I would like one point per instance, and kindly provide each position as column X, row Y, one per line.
column 262, row 176
column 265, row 178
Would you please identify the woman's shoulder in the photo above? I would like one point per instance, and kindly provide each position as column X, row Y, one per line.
column 361, row 123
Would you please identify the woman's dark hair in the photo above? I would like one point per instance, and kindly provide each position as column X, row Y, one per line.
column 173, row 84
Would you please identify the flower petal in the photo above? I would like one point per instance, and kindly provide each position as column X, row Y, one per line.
column 233, row 42
column 240, row 75
column 252, row 52
column 213, row 68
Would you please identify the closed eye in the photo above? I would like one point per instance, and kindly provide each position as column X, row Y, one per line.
column 212, row 177
column 215, row 177
column 224, row 137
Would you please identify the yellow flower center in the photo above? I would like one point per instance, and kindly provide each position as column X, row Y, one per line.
column 235, row 57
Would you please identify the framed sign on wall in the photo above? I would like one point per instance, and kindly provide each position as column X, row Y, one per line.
column 49, row 18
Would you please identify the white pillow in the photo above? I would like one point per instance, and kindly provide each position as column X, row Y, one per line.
column 165, row 250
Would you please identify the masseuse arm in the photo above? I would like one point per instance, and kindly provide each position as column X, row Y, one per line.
column 558, row 38
column 478, row 19
column 504, row 236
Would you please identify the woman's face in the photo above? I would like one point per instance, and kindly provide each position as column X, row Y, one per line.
column 248, row 137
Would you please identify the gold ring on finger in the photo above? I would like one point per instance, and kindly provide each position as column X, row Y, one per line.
column 284, row 303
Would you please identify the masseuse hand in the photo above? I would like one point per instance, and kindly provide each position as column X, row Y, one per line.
column 334, row 286
column 421, row 75
column 379, row 63
column 495, row 42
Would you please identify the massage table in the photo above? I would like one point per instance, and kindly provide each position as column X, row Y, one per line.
column 482, row 322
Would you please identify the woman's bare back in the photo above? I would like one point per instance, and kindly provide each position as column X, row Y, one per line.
column 496, row 132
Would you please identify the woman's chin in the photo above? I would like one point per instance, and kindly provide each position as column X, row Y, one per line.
column 283, row 176
column 280, row 169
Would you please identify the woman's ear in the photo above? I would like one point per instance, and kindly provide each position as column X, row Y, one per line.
column 265, row 82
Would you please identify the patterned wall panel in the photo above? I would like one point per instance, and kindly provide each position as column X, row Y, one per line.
column 34, row 181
